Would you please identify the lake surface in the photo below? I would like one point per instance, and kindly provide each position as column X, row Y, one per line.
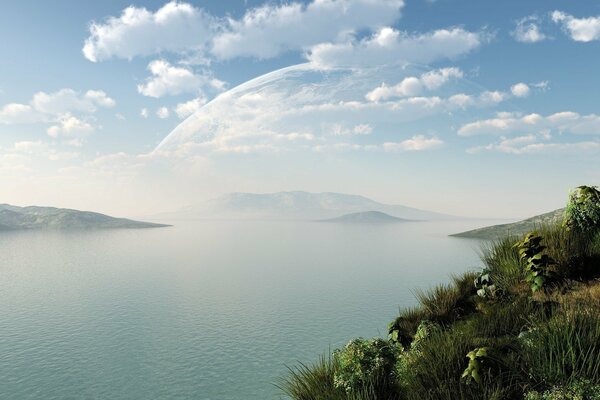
column 204, row 310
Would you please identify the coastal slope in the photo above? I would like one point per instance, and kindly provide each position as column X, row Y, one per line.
column 34, row 217
column 516, row 228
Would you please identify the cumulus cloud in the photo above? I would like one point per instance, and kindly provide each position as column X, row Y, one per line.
column 170, row 80
column 389, row 46
column 412, row 85
column 360, row 129
column 579, row 29
column 528, row 30
column 532, row 144
column 68, row 125
column 66, row 109
column 520, row 90
column 68, row 100
column 15, row 113
column 270, row 30
column 184, row 110
column 416, row 143
column 144, row 113
column 175, row 27
column 262, row 32
column 510, row 123
column 162, row 113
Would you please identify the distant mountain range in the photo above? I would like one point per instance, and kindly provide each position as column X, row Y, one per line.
column 366, row 217
column 33, row 217
column 516, row 228
column 295, row 205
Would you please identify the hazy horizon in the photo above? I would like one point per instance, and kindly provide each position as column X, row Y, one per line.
column 145, row 108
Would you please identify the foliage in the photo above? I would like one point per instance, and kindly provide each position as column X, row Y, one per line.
column 476, row 359
column 362, row 361
column 486, row 289
column 538, row 266
column 583, row 209
column 578, row 390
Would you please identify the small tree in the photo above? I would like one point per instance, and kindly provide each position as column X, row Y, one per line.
column 583, row 209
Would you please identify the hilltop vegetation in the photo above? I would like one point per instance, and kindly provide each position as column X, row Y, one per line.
column 527, row 326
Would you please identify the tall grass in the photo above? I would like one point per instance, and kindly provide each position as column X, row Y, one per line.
column 565, row 348
column 311, row 382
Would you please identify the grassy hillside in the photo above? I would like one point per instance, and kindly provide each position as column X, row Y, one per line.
column 516, row 228
column 526, row 326
column 14, row 218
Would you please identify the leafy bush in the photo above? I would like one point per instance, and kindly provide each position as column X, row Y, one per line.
column 578, row 390
column 364, row 361
column 486, row 289
column 583, row 209
column 538, row 266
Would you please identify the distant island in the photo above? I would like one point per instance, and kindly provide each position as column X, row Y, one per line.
column 514, row 229
column 33, row 217
column 366, row 217
column 295, row 205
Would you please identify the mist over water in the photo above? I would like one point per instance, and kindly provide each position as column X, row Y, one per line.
column 208, row 310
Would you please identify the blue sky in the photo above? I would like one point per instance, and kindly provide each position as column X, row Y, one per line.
column 466, row 107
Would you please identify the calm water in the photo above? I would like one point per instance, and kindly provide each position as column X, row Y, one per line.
column 203, row 310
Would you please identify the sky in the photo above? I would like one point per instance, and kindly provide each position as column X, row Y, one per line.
column 473, row 108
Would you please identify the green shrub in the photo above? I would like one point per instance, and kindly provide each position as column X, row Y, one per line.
column 539, row 267
column 565, row 348
column 578, row 390
column 583, row 209
column 362, row 362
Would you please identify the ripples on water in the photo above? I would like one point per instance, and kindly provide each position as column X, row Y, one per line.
column 204, row 310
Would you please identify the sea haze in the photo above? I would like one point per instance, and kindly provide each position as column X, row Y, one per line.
column 207, row 310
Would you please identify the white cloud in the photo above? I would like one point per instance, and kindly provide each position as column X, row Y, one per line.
column 416, row 143
column 175, row 27
column 167, row 79
column 579, row 29
column 520, row 90
column 271, row 30
column 389, row 46
column 262, row 32
column 184, row 110
column 162, row 113
column 69, row 125
column 528, row 30
column 360, row 129
column 65, row 109
column 412, row 86
column 144, row 113
column 534, row 144
column 68, row 100
column 15, row 113
column 562, row 122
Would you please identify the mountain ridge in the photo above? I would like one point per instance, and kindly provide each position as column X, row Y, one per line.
column 295, row 205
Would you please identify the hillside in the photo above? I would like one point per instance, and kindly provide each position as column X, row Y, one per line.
column 295, row 205
column 33, row 217
column 366, row 217
column 515, row 228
